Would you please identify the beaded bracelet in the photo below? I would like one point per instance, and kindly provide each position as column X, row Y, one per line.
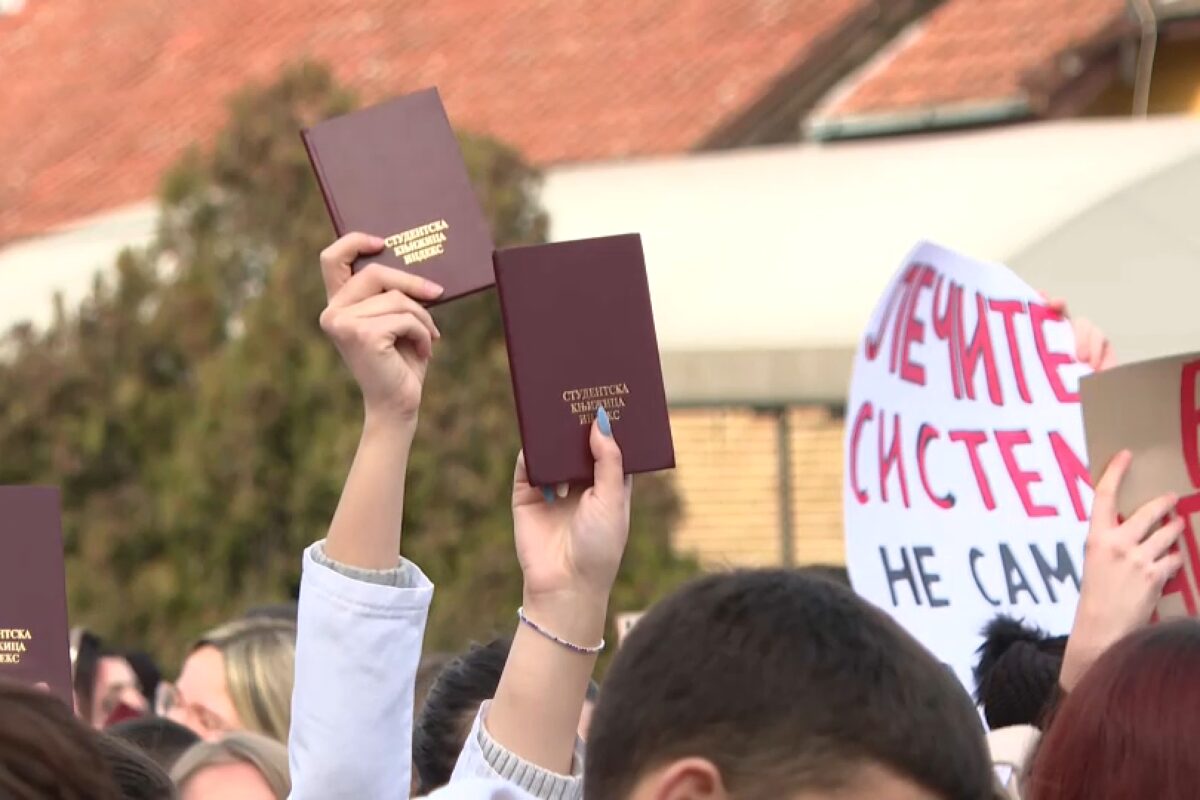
column 578, row 648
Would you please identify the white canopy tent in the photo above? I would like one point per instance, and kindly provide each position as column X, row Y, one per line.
column 765, row 264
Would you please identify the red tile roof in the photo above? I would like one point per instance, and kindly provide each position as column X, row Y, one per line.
column 100, row 95
column 973, row 51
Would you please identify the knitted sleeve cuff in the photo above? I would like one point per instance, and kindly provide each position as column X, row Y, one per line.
column 404, row 575
column 531, row 778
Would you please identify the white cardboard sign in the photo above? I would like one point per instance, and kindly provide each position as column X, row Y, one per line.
column 966, row 481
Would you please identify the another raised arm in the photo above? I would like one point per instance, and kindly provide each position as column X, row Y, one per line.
column 362, row 608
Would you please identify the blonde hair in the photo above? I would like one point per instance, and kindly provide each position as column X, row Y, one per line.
column 260, row 661
column 266, row 755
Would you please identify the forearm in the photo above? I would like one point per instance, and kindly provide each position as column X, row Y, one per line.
column 535, row 714
column 366, row 527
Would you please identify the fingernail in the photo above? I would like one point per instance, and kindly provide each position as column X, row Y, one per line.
column 563, row 489
column 548, row 493
column 435, row 289
column 603, row 422
column 377, row 243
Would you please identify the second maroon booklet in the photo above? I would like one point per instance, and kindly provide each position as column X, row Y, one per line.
column 580, row 333
column 395, row 171
column 33, row 596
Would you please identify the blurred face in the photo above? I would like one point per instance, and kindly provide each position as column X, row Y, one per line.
column 116, row 684
column 200, row 699
column 226, row 781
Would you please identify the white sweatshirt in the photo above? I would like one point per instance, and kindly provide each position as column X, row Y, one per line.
column 358, row 646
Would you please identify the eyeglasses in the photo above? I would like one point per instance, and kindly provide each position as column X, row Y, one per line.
column 170, row 702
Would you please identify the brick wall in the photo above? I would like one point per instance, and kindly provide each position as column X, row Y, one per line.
column 728, row 478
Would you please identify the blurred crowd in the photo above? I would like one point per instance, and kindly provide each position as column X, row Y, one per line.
column 743, row 684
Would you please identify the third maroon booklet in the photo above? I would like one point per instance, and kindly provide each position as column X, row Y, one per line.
column 395, row 171
column 33, row 595
column 580, row 333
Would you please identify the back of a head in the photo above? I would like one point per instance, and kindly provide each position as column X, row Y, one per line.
column 428, row 670
column 1016, row 676
column 163, row 740
column 46, row 752
column 449, row 710
column 784, row 682
column 260, row 659
column 267, row 757
column 137, row 776
column 1129, row 728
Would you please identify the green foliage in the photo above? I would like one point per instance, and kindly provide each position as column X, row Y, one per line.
column 201, row 426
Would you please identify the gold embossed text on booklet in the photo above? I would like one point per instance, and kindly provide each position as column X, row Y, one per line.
column 580, row 334
column 34, row 641
column 395, row 171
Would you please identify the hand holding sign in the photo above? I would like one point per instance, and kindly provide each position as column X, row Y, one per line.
column 966, row 493
column 1125, row 566
column 1092, row 347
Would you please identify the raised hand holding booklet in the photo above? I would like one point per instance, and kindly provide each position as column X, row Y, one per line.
column 395, row 171
column 580, row 332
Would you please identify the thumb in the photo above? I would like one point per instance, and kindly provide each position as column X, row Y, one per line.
column 609, row 471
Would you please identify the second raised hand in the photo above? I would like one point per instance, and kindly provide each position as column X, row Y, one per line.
column 574, row 546
column 386, row 337
column 570, row 552
column 381, row 330
column 1125, row 566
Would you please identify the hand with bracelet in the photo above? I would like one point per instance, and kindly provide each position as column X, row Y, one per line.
column 570, row 550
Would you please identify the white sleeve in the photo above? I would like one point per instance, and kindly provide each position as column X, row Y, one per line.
column 484, row 757
column 358, row 646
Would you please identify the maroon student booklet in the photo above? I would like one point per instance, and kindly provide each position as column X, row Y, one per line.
column 580, row 333
column 34, row 640
column 395, row 171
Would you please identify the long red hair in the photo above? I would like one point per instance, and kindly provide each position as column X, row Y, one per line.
column 1131, row 728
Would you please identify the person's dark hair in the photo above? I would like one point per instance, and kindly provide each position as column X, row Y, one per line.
column 163, row 740
column 136, row 775
column 1016, row 677
column 430, row 667
column 786, row 682
column 147, row 671
column 46, row 752
column 86, row 650
column 1129, row 727
column 450, row 708
column 830, row 572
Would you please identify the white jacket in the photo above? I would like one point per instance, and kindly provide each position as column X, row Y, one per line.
column 358, row 646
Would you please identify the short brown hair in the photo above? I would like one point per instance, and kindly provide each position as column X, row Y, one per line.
column 46, row 752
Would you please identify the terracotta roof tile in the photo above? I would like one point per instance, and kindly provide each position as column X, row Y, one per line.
column 99, row 97
column 973, row 51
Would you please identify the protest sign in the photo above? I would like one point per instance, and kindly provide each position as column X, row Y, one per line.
column 966, row 489
column 1152, row 410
